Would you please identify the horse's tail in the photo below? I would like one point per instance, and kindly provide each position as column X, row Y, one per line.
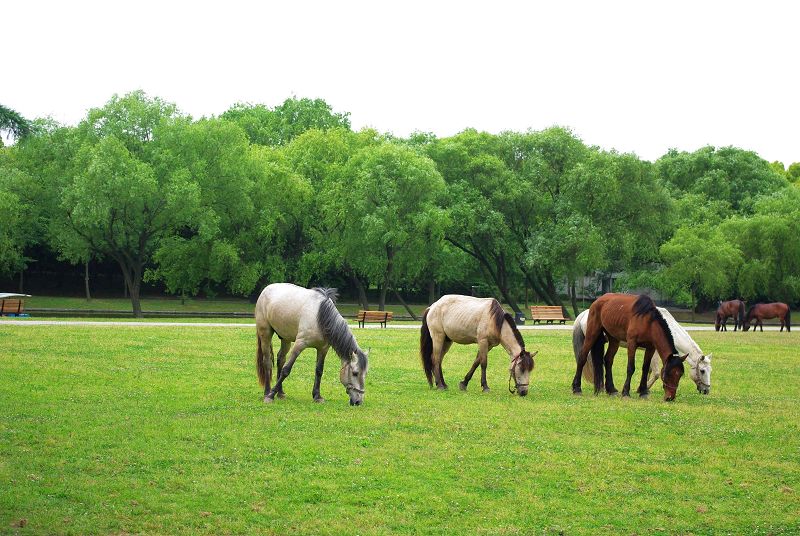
column 717, row 321
column 263, row 366
column 741, row 313
column 578, row 336
column 426, row 348
column 597, row 351
column 788, row 319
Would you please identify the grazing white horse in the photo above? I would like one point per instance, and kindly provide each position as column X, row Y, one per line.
column 307, row 317
column 699, row 363
column 468, row 320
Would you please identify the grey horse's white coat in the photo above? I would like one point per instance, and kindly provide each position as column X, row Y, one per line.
column 308, row 318
column 699, row 363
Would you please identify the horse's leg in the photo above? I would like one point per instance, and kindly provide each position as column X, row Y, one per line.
column 463, row 383
column 299, row 346
column 483, row 353
column 643, row 389
column 608, row 359
column 626, row 389
column 438, row 357
column 284, row 350
column 583, row 355
column 484, row 363
column 265, row 339
column 761, row 325
column 321, row 352
column 655, row 372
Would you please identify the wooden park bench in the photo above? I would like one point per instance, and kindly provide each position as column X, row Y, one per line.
column 548, row 313
column 381, row 317
column 11, row 306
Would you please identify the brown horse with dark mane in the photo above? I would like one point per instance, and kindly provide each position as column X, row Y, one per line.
column 726, row 310
column 761, row 311
column 636, row 321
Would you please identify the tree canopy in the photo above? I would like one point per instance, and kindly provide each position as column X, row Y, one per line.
column 291, row 193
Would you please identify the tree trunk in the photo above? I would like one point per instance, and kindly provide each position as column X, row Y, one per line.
column 401, row 300
column 362, row 292
column 86, row 280
column 387, row 278
column 431, row 291
column 21, row 282
column 381, row 297
column 133, row 282
column 498, row 277
column 551, row 290
column 574, row 298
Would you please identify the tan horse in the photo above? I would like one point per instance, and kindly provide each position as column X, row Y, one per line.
column 468, row 320
column 636, row 321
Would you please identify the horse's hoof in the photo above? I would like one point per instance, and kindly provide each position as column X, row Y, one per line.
column 485, row 389
column 441, row 387
column 281, row 395
column 462, row 386
column 644, row 395
column 577, row 392
column 268, row 400
column 613, row 393
column 626, row 394
column 319, row 400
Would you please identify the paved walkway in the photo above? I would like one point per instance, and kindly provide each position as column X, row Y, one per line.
column 134, row 324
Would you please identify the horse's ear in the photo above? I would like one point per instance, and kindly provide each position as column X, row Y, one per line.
column 708, row 357
column 683, row 357
column 534, row 354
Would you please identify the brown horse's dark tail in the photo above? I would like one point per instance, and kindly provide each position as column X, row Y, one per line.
column 741, row 314
column 426, row 348
column 598, row 348
column 263, row 365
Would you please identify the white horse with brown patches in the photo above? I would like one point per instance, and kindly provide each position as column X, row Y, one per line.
column 468, row 320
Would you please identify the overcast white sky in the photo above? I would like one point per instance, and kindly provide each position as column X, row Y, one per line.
column 638, row 76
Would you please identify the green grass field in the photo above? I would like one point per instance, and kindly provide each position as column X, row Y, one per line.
column 109, row 430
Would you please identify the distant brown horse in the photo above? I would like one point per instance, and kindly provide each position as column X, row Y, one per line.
column 727, row 309
column 760, row 311
column 636, row 321
column 468, row 320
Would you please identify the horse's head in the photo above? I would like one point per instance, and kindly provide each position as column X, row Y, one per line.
column 520, row 370
column 701, row 374
column 671, row 375
column 353, row 374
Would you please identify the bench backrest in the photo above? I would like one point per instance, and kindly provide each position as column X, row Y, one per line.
column 547, row 311
column 374, row 316
column 11, row 305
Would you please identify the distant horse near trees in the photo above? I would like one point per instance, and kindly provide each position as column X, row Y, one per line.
column 726, row 310
column 765, row 311
column 310, row 319
column 636, row 321
column 468, row 320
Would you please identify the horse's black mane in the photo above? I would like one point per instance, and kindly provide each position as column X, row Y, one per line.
column 644, row 306
column 330, row 293
column 335, row 329
column 500, row 315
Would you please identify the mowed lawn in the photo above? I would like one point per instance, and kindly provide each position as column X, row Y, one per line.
column 117, row 430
